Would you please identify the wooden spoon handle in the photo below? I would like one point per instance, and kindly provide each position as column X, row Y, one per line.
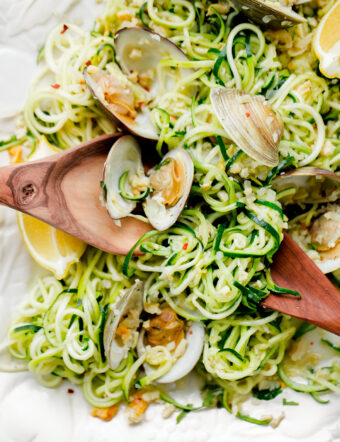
column 320, row 300
column 22, row 186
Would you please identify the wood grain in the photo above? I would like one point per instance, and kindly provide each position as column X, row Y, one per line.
column 320, row 300
column 64, row 191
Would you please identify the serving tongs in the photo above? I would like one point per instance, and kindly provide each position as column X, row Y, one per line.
column 64, row 191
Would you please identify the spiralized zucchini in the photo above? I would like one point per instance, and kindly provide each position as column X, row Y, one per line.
column 213, row 264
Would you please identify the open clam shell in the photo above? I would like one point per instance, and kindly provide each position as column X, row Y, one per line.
column 115, row 96
column 249, row 122
column 138, row 53
column 141, row 50
column 171, row 183
column 165, row 190
column 325, row 235
column 184, row 365
column 120, row 331
column 308, row 185
column 125, row 155
column 269, row 14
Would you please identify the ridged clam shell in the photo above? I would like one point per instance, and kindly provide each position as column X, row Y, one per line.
column 274, row 16
column 131, row 300
column 249, row 122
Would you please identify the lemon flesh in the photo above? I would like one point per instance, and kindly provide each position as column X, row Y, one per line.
column 51, row 248
column 327, row 43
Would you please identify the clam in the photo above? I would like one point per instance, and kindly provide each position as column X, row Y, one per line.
column 165, row 189
column 189, row 342
column 308, row 185
column 249, row 122
column 325, row 235
column 120, row 331
column 138, row 53
column 315, row 185
column 270, row 14
column 171, row 183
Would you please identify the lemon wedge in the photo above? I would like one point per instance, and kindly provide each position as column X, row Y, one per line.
column 50, row 247
column 327, row 42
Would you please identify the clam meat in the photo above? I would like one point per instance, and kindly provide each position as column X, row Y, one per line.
column 164, row 190
column 184, row 343
column 128, row 92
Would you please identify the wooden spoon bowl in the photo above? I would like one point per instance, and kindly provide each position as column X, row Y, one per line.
column 64, row 191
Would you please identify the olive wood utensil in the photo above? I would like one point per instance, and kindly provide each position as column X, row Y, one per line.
column 64, row 190
column 320, row 300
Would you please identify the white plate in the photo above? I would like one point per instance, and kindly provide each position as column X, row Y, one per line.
column 30, row 412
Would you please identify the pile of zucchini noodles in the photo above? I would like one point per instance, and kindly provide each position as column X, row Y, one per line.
column 213, row 265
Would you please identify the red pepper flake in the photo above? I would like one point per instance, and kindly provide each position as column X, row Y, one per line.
column 70, row 391
column 247, row 114
column 311, row 343
column 83, row 90
column 88, row 63
column 185, row 246
column 140, row 103
column 65, row 28
column 322, row 258
column 147, row 89
column 55, row 86
column 174, row 117
column 190, row 332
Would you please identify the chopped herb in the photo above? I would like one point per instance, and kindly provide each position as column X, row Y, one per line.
column 312, row 246
column 266, row 395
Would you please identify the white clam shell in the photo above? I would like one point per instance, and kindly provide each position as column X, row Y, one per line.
column 249, row 122
column 124, row 155
column 318, row 185
column 160, row 216
column 195, row 341
column 140, row 51
column 131, row 300
column 269, row 14
column 329, row 265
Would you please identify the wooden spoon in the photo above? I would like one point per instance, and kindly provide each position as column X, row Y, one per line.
column 320, row 300
column 64, row 191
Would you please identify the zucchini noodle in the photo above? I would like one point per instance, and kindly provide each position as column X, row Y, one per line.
column 213, row 264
